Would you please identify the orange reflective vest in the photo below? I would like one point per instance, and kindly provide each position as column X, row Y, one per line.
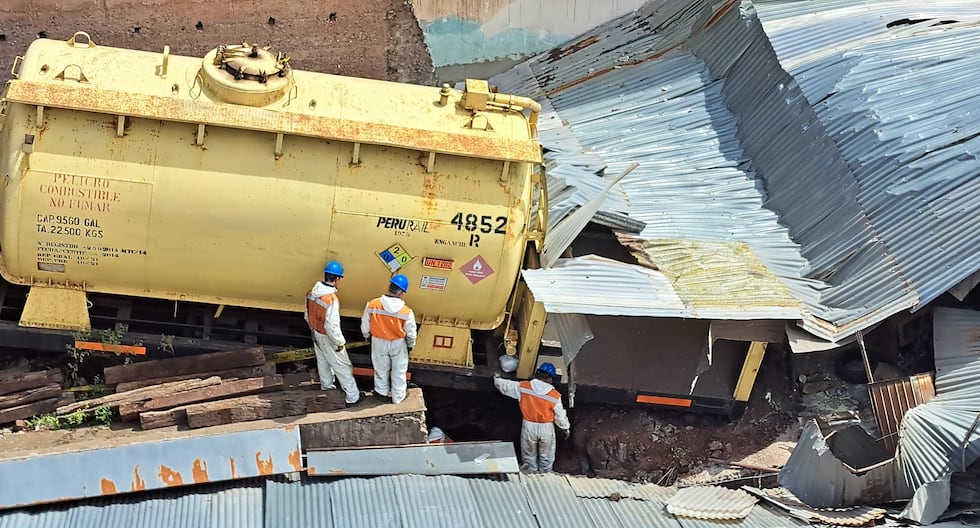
column 387, row 325
column 538, row 408
column 316, row 309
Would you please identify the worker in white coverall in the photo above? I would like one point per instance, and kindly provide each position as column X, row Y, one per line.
column 390, row 325
column 542, row 410
column 323, row 316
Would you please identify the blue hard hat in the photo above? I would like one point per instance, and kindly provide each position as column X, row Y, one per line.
column 548, row 369
column 334, row 268
column 401, row 281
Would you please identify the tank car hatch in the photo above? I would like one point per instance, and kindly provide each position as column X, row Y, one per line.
column 246, row 74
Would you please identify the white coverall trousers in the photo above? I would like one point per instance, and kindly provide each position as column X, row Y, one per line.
column 390, row 360
column 330, row 363
column 538, row 445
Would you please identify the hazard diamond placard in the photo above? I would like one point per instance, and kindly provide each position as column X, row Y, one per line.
column 476, row 269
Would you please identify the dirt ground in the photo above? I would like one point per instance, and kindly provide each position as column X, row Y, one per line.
column 632, row 443
column 377, row 39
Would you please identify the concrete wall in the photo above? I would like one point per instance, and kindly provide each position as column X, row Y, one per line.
column 475, row 31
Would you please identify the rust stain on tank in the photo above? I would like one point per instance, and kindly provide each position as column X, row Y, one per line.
column 234, row 470
column 108, row 487
column 170, row 477
column 118, row 102
column 200, row 471
column 430, row 190
column 138, row 483
column 296, row 460
column 264, row 466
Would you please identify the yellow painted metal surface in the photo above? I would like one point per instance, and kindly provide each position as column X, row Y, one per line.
column 126, row 173
column 59, row 308
column 443, row 344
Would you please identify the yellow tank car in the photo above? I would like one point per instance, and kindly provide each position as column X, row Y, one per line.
column 233, row 179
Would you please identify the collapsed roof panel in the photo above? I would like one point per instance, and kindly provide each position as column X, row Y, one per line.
column 816, row 138
column 599, row 286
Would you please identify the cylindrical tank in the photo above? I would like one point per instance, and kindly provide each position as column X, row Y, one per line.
column 145, row 174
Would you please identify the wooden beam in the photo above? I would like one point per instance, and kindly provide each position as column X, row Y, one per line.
column 141, row 394
column 260, row 371
column 750, row 369
column 225, row 389
column 29, row 380
column 265, row 406
column 35, row 408
column 196, row 364
column 52, row 390
column 158, row 419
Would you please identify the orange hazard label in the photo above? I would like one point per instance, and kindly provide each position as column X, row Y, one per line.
column 435, row 263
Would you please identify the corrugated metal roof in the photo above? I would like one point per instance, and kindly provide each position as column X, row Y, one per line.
column 235, row 504
column 459, row 458
column 856, row 516
column 820, row 479
column 711, row 502
column 936, row 438
column 680, row 289
column 942, row 436
column 834, row 163
column 407, row 501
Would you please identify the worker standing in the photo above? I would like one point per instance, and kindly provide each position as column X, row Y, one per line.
column 541, row 407
column 323, row 316
column 390, row 325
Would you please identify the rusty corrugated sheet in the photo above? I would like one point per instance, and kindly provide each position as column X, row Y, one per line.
column 855, row 516
column 149, row 465
column 891, row 399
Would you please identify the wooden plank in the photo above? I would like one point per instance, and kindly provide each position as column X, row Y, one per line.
column 225, row 389
column 263, row 406
column 52, row 390
column 29, row 380
column 260, row 371
column 20, row 368
column 157, row 419
column 141, row 394
column 35, row 408
column 194, row 365
column 301, row 380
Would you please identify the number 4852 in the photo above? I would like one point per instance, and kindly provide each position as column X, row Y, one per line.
column 484, row 223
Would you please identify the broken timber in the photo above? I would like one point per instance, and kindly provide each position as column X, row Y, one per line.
column 224, row 389
column 137, row 395
column 276, row 405
column 190, row 365
column 267, row 369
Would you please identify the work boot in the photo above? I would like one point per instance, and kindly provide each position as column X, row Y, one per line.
column 362, row 397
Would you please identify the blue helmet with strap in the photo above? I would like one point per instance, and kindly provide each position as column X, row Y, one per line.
column 548, row 369
column 401, row 281
column 334, row 268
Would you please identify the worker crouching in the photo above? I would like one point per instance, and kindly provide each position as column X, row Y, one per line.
column 390, row 325
column 541, row 407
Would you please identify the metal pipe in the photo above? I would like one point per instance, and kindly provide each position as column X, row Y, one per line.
column 518, row 101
